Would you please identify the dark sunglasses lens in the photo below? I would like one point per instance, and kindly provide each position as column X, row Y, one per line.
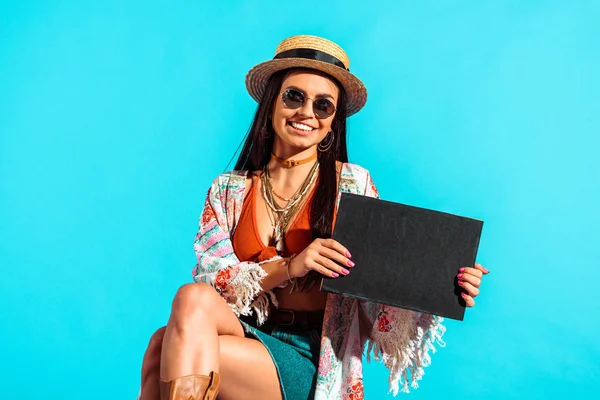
column 323, row 108
column 293, row 98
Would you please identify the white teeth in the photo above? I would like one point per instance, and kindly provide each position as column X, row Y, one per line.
column 301, row 127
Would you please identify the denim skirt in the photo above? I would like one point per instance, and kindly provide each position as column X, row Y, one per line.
column 295, row 352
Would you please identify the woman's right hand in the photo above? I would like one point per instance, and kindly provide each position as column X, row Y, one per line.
column 326, row 256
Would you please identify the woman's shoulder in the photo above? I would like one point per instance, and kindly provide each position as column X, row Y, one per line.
column 230, row 180
column 354, row 178
column 355, row 171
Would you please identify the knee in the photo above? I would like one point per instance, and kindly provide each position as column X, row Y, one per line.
column 157, row 338
column 194, row 300
column 155, row 345
column 151, row 360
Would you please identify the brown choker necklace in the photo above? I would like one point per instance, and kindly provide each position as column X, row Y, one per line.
column 292, row 163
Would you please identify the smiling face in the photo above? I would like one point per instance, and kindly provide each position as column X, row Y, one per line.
column 299, row 130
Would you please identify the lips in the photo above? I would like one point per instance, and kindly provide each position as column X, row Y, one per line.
column 300, row 127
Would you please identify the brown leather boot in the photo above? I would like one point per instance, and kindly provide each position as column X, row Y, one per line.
column 191, row 387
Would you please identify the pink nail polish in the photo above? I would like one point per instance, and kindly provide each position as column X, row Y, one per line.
column 335, row 275
column 348, row 254
column 345, row 271
column 459, row 276
column 460, row 282
column 461, row 270
column 463, row 294
column 350, row 263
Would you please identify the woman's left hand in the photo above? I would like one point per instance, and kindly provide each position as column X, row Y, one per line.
column 470, row 280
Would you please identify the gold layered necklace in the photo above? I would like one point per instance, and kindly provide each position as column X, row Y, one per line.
column 284, row 215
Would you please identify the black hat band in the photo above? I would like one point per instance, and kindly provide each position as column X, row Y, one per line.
column 311, row 54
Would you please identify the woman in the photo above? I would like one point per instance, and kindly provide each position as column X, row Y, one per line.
column 255, row 324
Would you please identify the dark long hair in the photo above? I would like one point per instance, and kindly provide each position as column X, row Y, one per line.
column 258, row 145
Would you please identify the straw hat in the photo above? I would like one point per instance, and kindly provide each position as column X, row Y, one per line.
column 312, row 52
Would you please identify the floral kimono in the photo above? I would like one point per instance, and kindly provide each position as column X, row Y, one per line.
column 399, row 337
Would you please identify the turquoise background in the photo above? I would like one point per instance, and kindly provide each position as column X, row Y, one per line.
column 116, row 115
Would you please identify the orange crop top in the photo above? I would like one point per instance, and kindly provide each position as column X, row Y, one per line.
column 247, row 243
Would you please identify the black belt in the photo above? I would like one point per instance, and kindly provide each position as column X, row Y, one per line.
column 296, row 318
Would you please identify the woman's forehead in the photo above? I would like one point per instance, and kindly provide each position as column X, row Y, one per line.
column 312, row 83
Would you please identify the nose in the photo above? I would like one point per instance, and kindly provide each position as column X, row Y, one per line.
column 307, row 109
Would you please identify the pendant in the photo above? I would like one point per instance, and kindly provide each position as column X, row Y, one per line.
column 278, row 238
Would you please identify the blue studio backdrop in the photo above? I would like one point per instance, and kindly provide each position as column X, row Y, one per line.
column 115, row 116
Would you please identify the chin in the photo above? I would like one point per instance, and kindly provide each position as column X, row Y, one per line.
column 301, row 143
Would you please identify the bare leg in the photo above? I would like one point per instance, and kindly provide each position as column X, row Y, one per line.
column 151, row 367
column 246, row 367
column 247, row 370
column 191, row 343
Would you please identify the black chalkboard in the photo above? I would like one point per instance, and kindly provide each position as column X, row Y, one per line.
column 405, row 256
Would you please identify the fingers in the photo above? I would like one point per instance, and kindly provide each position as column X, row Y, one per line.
column 332, row 259
column 471, row 271
column 315, row 266
column 332, row 266
column 480, row 267
column 334, row 255
column 468, row 300
column 471, row 290
column 335, row 245
column 472, row 279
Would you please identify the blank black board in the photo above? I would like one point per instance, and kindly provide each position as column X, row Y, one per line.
column 405, row 256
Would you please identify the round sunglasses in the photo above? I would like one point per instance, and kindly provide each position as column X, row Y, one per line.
column 294, row 98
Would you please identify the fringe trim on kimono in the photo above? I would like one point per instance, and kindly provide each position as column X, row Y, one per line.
column 406, row 358
column 262, row 305
column 243, row 289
